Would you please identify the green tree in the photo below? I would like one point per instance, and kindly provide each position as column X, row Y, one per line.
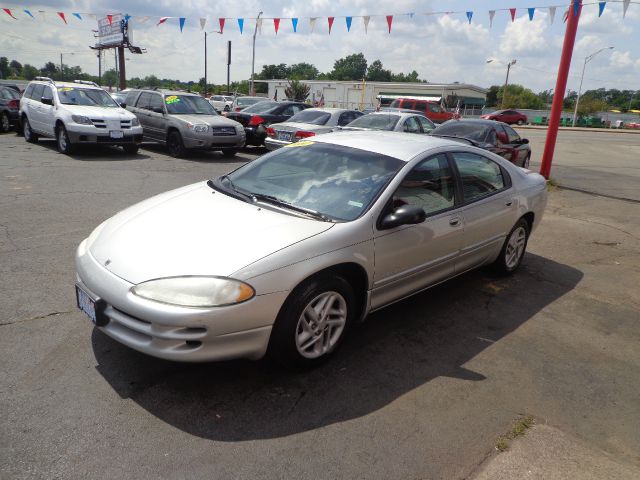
column 4, row 67
column 50, row 70
column 377, row 73
column 29, row 72
column 303, row 71
column 351, row 67
column 270, row 72
column 297, row 91
column 110, row 78
column 591, row 104
column 16, row 68
column 492, row 96
column 518, row 96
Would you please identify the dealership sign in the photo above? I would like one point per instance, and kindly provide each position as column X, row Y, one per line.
column 111, row 30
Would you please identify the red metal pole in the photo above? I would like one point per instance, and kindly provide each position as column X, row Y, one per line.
column 573, row 16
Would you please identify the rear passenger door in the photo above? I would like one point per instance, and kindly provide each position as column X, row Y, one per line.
column 157, row 122
column 48, row 112
column 141, row 110
column 34, row 110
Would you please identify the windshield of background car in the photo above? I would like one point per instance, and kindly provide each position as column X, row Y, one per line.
column 339, row 182
column 243, row 102
column 9, row 94
column 86, row 96
column 188, row 104
column 311, row 116
column 477, row 132
column 262, row 107
column 376, row 121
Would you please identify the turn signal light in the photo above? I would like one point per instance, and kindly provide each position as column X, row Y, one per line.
column 255, row 120
column 271, row 132
column 303, row 134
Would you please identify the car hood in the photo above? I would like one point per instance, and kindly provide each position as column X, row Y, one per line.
column 194, row 230
column 100, row 112
column 308, row 127
column 212, row 120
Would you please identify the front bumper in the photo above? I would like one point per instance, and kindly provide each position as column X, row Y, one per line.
column 210, row 142
column 273, row 144
column 173, row 332
column 90, row 134
column 256, row 135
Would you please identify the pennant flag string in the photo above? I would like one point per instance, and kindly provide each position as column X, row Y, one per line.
column 8, row 12
column 366, row 23
column 30, row 14
column 182, row 20
column 276, row 24
column 330, row 21
column 469, row 16
column 294, row 24
column 601, row 8
column 492, row 13
column 77, row 15
column 312, row 23
column 389, row 21
column 531, row 12
column 221, row 23
column 552, row 14
column 61, row 15
column 241, row 24
column 625, row 5
column 203, row 21
column 513, row 14
column 162, row 20
column 349, row 20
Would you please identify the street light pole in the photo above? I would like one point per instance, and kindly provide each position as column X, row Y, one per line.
column 205, row 64
column 253, row 57
column 587, row 59
column 506, row 82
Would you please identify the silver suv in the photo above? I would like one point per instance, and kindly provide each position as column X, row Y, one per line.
column 76, row 113
column 184, row 121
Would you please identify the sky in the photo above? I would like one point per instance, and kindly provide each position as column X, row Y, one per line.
column 442, row 48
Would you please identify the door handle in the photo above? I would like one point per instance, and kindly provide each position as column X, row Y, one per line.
column 454, row 222
column 509, row 203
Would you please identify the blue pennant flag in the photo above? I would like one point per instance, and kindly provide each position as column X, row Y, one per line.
column 601, row 8
column 531, row 10
column 126, row 17
column 349, row 20
column 29, row 13
column 469, row 15
column 411, row 14
column 576, row 7
column 77, row 15
column 294, row 22
column 241, row 24
column 182, row 19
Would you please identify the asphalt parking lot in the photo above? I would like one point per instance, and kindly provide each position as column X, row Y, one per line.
column 422, row 390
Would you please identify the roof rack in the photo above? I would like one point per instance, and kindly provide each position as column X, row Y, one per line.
column 44, row 79
column 86, row 82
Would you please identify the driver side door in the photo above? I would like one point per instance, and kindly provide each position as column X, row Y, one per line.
column 410, row 258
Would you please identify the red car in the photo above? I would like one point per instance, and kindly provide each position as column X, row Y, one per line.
column 506, row 116
column 432, row 110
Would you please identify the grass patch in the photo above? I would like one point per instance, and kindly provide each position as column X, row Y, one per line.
column 518, row 429
column 552, row 185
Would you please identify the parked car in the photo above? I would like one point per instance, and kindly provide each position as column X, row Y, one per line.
column 496, row 137
column 389, row 109
column 222, row 103
column 76, row 113
column 9, row 107
column 430, row 109
column 395, row 121
column 283, row 254
column 184, row 121
column 256, row 118
column 308, row 123
column 506, row 116
column 120, row 97
column 243, row 102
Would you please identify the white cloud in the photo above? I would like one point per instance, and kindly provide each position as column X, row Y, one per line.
column 621, row 60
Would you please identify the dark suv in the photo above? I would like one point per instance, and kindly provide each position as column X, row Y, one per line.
column 9, row 107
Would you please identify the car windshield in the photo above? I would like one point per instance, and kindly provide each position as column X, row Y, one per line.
column 455, row 128
column 246, row 101
column 314, row 117
column 90, row 97
column 376, row 121
column 261, row 107
column 336, row 181
column 188, row 104
column 9, row 93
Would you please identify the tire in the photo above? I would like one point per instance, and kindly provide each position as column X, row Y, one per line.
column 29, row 136
column 520, row 122
column 5, row 123
column 526, row 161
column 175, row 145
column 513, row 249
column 131, row 149
column 62, row 140
column 229, row 152
column 304, row 334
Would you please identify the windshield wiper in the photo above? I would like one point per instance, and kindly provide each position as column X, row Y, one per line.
column 277, row 201
column 231, row 189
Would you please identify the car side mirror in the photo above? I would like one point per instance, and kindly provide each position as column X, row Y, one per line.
column 404, row 215
column 123, row 105
column 158, row 109
column 47, row 100
column 524, row 141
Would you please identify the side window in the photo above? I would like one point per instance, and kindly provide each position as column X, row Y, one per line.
column 491, row 136
column 37, row 92
column 435, row 108
column 156, row 102
column 429, row 185
column 29, row 91
column 217, row 98
column 297, row 108
column 143, row 100
column 47, row 92
column 288, row 110
column 131, row 98
column 347, row 117
column 512, row 135
column 480, row 176
column 502, row 135
column 426, row 125
column 411, row 125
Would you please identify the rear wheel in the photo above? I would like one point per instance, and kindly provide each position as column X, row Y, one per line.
column 175, row 145
column 5, row 123
column 229, row 152
column 526, row 161
column 29, row 136
column 312, row 323
column 130, row 149
column 64, row 144
column 520, row 122
column 513, row 249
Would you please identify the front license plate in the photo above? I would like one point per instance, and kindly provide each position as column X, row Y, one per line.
column 116, row 133
column 284, row 136
column 86, row 304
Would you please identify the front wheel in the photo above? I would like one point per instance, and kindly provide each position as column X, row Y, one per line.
column 29, row 136
column 175, row 145
column 312, row 323
column 513, row 249
column 520, row 122
column 229, row 152
column 130, row 149
column 5, row 123
column 64, row 144
column 526, row 161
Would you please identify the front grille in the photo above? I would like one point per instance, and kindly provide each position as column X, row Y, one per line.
column 127, row 139
column 125, row 124
column 99, row 123
column 223, row 130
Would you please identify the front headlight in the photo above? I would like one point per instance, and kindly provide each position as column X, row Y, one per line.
column 135, row 122
column 198, row 128
column 195, row 291
column 81, row 119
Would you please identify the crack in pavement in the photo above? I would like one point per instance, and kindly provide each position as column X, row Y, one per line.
column 38, row 317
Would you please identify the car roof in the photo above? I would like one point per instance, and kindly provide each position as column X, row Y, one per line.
column 402, row 146
column 329, row 110
column 66, row 84
column 399, row 113
column 474, row 121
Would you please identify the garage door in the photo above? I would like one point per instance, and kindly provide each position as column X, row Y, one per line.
column 329, row 97
column 354, row 98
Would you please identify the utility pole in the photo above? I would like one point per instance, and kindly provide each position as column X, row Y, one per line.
column 228, row 65
column 115, row 52
column 123, row 68
column 99, row 67
column 205, row 64
column 506, row 82
column 252, row 90
column 61, row 68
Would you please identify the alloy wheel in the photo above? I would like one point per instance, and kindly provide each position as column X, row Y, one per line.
column 515, row 247
column 4, row 123
column 321, row 325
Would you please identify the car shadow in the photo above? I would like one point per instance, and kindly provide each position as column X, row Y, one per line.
column 396, row 350
column 201, row 156
column 95, row 153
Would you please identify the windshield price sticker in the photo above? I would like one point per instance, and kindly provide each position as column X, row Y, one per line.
column 303, row 143
column 65, row 89
column 171, row 99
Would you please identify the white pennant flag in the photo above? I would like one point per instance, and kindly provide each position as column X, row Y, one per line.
column 42, row 14
column 492, row 13
column 625, row 5
column 202, row 22
column 552, row 14
column 366, row 23
column 259, row 25
column 143, row 19
column 92, row 15
column 312, row 23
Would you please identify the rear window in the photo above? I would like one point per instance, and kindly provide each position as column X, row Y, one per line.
column 262, row 107
column 313, row 117
column 376, row 121
column 244, row 101
column 477, row 132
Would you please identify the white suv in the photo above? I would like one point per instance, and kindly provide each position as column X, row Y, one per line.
column 76, row 113
column 222, row 103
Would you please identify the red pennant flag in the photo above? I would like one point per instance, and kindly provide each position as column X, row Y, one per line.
column 110, row 18
column 330, row 19
column 513, row 14
column 221, row 22
column 276, row 24
column 162, row 20
column 9, row 13
column 389, row 20
column 61, row 15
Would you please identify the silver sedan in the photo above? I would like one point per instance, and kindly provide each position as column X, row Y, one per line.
column 284, row 254
column 308, row 123
column 395, row 121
